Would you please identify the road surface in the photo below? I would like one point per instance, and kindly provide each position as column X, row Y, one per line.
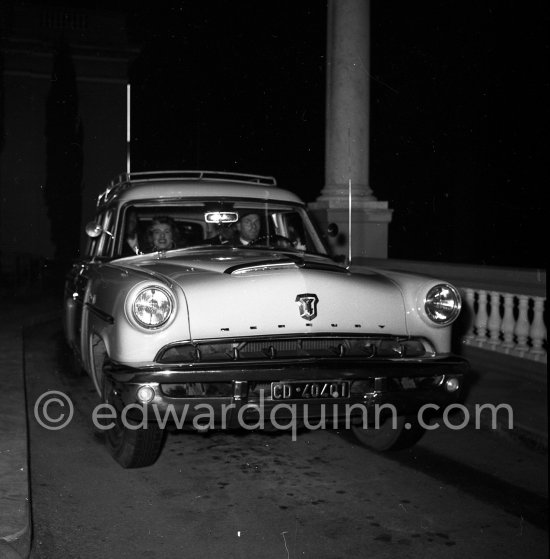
column 466, row 493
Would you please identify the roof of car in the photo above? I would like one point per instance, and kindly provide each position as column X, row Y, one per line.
column 192, row 184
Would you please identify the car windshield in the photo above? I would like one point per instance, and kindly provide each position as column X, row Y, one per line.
column 148, row 227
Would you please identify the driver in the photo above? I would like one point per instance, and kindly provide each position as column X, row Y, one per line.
column 248, row 228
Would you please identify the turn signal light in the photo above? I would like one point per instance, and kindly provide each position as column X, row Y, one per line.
column 145, row 394
column 452, row 384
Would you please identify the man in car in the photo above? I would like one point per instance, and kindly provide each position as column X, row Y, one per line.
column 248, row 228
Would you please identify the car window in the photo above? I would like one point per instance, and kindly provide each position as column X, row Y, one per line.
column 105, row 242
column 213, row 222
column 100, row 245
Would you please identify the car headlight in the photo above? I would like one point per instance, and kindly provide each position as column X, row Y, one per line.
column 152, row 307
column 442, row 304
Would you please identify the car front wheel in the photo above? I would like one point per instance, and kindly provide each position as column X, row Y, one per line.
column 392, row 433
column 130, row 443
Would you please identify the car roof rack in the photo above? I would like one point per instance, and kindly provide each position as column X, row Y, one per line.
column 124, row 180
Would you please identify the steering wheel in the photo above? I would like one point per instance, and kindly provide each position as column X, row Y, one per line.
column 279, row 241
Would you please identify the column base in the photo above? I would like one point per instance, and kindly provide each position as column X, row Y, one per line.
column 369, row 226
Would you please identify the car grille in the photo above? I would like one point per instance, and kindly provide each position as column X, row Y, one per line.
column 300, row 347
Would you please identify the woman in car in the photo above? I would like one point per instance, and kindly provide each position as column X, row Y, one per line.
column 162, row 233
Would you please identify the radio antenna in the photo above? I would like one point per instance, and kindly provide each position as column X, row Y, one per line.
column 349, row 200
column 128, row 136
column 349, row 223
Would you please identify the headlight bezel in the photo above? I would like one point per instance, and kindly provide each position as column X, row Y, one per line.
column 133, row 299
column 437, row 310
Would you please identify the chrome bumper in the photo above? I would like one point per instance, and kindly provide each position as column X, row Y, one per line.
column 234, row 394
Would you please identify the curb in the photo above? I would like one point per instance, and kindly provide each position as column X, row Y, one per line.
column 508, row 378
column 534, row 439
column 15, row 516
column 18, row 545
column 506, row 364
column 16, row 541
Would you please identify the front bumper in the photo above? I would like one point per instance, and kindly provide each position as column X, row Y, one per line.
column 229, row 395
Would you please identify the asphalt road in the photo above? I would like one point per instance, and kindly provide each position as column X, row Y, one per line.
column 457, row 494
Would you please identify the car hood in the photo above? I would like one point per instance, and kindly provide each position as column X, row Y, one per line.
column 238, row 292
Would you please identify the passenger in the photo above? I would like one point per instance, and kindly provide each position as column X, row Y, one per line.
column 248, row 228
column 162, row 233
column 131, row 241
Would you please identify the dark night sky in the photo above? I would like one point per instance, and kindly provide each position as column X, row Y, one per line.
column 247, row 93
column 459, row 118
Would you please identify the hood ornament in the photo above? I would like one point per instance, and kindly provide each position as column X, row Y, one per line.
column 307, row 304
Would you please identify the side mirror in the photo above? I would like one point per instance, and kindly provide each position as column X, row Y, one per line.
column 93, row 229
column 332, row 230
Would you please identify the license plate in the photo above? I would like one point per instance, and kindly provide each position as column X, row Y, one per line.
column 300, row 390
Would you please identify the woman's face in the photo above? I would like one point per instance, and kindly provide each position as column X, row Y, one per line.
column 162, row 236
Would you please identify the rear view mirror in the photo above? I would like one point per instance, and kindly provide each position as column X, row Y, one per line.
column 221, row 217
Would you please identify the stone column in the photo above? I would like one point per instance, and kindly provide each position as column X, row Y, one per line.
column 347, row 137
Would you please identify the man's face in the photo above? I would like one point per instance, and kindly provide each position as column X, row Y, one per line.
column 162, row 237
column 250, row 227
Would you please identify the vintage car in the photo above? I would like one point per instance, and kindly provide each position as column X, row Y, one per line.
column 219, row 326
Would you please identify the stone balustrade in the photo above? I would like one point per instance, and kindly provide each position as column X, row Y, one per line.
column 506, row 322
column 504, row 309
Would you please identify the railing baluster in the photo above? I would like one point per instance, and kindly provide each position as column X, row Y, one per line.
column 493, row 324
column 521, row 330
column 508, row 322
column 470, row 299
column 481, row 317
column 537, row 333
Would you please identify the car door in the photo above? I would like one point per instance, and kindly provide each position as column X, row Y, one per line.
column 76, row 283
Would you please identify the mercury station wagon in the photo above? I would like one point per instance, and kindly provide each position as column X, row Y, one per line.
column 208, row 300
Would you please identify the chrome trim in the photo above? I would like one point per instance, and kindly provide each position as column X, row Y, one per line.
column 307, row 303
column 298, row 348
column 125, row 180
column 99, row 313
column 289, row 261
column 240, row 389
column 245, row 269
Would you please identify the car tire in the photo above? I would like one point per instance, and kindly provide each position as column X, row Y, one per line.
column 407, row 432
column 131, row 447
